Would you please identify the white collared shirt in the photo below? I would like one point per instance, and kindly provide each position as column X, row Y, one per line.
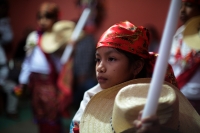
column 86, row 98
column 191, row 89
column 36, row 61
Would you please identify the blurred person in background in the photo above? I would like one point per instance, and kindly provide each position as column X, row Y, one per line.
column 83, row 67
column 185, row 60
column 39, row 72
column 6, row 37
column 84, row 61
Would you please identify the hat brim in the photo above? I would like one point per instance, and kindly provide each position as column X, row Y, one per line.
column 48, row 43
column 97, row 115
column 59, row 37
column 191, row 34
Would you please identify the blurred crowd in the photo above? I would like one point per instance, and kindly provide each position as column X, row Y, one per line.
column 35, row 70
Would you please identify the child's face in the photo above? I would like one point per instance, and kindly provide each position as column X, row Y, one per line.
column 45, row 21
column 112, row 67
column 188, row 10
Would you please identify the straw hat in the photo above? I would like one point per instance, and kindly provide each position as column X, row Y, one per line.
column 105, row 113
column 60, row 36
column 191, row 34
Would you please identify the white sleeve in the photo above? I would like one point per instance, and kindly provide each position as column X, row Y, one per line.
column 31, row 42
column 86, row 98
column 25, row 71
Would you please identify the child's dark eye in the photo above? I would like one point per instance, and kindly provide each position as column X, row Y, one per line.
column 97, row 60
column 111, row 59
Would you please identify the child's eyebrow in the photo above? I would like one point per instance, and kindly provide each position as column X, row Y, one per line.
column 110, row 52
column 97, row 54
column 107, row 52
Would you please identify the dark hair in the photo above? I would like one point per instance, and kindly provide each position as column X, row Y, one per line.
column 132, row 58
column 50, row 10
column 198, row 4
column 47, row 15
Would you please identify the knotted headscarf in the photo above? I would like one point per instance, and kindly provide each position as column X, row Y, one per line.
column 127, row 37
column 130, row 38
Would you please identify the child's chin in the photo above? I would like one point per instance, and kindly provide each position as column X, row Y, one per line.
column 103, row 86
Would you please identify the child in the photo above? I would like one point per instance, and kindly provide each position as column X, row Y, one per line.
column 6, row 38
column 121, row 55
column 39, row 72
column 184, row 59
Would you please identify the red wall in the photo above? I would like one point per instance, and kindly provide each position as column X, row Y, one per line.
column 140, row 12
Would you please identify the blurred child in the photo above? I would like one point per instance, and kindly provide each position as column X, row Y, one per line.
column 121, row 55
column 39, row 72
column 84, row 62
column 6, row 38
column 185, row 60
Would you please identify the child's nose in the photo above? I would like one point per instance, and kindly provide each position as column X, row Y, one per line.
column 182, row 10
column 101, row 68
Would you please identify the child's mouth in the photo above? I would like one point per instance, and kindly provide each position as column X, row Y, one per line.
column 101, row 79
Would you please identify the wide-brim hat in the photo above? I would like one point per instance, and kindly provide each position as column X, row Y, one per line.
column 97, row 117
column 191, row 34
column 59, row 37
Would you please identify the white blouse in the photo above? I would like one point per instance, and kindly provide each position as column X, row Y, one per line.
column 86, row 98
column 35, row 60
column 191, row 89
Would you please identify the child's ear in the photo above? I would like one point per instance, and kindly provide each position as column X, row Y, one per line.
column 138, row 66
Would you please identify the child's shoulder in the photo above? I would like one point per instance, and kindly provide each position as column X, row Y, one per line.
column 94, row 90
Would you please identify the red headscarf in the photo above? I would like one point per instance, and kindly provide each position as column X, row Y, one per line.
column 126, row 36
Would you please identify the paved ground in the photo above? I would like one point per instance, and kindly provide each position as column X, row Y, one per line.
column 24, row 124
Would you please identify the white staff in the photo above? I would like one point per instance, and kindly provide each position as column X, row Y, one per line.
column 77, row 31
column 162, row 60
